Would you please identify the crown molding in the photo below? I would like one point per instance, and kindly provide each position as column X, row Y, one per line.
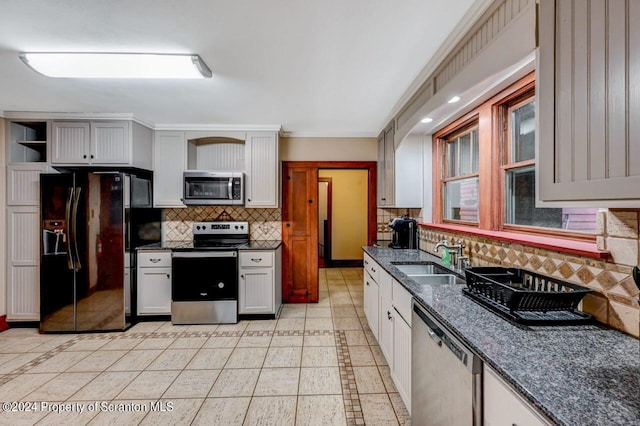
column 328, row 135
column 221, row 127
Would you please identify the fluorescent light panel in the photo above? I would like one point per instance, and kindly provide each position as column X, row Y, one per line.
column 426, row 120
column 454, row 99
column 116, row 65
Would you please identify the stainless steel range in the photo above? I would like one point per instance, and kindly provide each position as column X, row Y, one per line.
column 204, row 285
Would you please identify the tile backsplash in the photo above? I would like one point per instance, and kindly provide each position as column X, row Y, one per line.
column 615, row 300
column 264, row 224
column 386, row 215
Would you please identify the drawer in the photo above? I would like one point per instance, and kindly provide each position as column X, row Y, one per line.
column 261, row 258
column 402, row 301
column 371, row 267
column 154, row 259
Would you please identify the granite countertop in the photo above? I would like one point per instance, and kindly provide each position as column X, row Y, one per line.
column 188, row 245
column 584, row 375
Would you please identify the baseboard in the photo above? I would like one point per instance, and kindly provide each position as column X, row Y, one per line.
column 253, row 317
column 23, row 324
column 145, row 318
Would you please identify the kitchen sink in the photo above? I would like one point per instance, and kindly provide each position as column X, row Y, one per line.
column 421, row 269
column 437, row 279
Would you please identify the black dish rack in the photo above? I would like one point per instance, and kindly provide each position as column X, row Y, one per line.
column 526, row 297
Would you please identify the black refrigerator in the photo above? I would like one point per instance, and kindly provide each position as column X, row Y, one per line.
column 86, row 234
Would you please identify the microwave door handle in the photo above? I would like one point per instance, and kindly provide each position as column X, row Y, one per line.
column 230, row 188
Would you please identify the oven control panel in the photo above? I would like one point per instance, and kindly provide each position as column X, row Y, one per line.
column 220, row 228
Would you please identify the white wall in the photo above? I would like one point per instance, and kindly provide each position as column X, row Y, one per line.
column 328, row 149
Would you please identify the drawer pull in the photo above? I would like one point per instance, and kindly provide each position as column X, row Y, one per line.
column 154, row 260
column 258, row 259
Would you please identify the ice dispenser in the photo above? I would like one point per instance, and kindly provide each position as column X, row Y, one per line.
column 54, row 237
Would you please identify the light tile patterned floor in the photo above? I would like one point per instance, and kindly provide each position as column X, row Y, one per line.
column 317, row 364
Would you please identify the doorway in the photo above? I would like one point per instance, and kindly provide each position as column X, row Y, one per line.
column 347, row 211
column 325, row 201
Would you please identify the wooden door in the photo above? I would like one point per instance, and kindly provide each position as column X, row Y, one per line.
column 300, row 233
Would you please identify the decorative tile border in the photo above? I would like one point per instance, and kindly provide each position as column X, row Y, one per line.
column 350, row 396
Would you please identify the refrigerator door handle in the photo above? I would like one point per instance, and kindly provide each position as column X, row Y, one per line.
column 67, row 217
column 74, row 226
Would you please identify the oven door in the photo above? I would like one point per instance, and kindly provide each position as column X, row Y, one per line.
column 204, row 276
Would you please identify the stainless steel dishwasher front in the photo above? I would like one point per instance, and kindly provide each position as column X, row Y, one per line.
column 446, row 376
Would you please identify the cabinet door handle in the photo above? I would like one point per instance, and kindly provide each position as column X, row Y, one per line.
column 84, row 156
column 91, row 155
column 168, row 276
column 242, row 276
column 373, row 269
column 389, row 316
column 367, row 282
column 249, row 199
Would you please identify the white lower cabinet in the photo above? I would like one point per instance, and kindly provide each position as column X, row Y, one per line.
column 503, row 407
column 154, row 283
column 23, row 263
column 127, row 290
column 371, row 303
column 385, row 315
column 260, row 282
column 387, row 306
column 400, row 364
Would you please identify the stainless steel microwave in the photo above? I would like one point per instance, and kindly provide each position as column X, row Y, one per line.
column 211, row 188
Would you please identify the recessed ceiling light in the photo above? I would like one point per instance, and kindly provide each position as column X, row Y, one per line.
column 454, row 99
column 116, row 65
column 426, row 120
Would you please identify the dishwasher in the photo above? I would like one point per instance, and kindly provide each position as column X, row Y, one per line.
column 446, row 376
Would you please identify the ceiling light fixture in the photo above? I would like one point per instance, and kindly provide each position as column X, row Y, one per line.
column 117, row 65
column 426, row 120
column 454, row 99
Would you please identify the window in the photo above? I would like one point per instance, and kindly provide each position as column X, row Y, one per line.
column 461, row 171
column 520, row 176
column 485, row 164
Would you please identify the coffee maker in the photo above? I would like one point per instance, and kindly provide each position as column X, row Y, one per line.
column 404, row 233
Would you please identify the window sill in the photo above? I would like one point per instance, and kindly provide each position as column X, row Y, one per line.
column 579, row 248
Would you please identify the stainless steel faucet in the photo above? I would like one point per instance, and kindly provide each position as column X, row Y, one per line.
column 457, row 259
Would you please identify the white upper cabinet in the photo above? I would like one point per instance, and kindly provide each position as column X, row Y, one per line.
column 23, row 183
column 101, row 143
column 110, row 143
column 262, row 170
column 400, row 176
column 588, row 103
column 386, row 168
column 169, row 164
column 70, row 143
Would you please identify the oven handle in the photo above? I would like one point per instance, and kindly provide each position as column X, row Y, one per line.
column 201, row 254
